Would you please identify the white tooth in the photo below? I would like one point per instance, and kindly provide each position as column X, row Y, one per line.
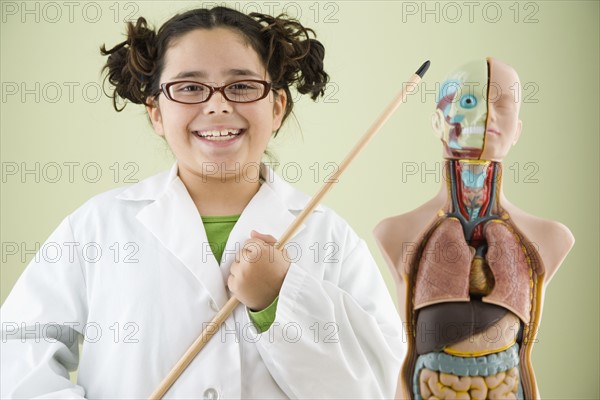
column 218, row 138
column 472, row 130
column 218, row 134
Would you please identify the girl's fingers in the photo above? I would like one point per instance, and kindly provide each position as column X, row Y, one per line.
column 265, row 238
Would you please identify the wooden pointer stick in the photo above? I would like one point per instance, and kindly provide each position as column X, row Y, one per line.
column 232, row 303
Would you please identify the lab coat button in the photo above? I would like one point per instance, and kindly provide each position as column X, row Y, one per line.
column 213, row 305
column 211, row 394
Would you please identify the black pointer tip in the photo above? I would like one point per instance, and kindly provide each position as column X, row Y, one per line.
column 423, row 68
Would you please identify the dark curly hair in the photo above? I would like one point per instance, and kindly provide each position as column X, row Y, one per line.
column 290, row 55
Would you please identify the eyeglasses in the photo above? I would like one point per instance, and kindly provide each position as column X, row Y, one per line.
column 190, row 92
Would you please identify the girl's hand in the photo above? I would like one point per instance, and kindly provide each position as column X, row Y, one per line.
column 258, row 272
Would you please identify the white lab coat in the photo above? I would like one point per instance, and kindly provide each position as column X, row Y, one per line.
column 131, row 276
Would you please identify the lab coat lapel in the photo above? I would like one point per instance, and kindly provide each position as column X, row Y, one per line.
column 265, row 213
column 174, row 219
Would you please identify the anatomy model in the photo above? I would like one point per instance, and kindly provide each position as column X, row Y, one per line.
column 470, row 267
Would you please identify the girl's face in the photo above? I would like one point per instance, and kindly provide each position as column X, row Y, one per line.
column 216, row 57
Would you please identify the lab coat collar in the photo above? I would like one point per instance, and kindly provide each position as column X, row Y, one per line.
column 173, row 219
column 151, row 188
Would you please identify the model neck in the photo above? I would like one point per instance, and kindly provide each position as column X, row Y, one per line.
column 474, row 187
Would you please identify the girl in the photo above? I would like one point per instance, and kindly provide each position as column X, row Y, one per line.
column 216, row 86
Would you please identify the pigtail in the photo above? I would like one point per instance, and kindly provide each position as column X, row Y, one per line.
column 293, row 58
column 131, row 64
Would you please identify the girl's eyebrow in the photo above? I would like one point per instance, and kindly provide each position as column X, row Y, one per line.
column 189, row 74
column 203, row 75
column 244, row 72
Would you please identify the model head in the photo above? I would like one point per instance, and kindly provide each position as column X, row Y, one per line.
column 477, row 112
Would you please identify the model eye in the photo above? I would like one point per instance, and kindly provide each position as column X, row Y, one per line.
column 468, row 101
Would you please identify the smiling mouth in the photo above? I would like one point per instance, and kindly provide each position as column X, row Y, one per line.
column 219, row 135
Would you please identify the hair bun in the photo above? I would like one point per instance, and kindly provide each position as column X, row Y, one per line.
column 131, row 64
column 293, row 56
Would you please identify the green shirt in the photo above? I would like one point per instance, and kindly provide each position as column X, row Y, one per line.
column 217, row 230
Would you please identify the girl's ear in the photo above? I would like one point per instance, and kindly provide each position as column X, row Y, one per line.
column 154, row 115
column 279, row 103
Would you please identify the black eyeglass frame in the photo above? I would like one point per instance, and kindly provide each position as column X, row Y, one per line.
column 164, row 88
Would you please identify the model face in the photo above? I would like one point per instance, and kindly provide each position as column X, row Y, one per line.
column 462, row 111
column 477, row 112
column 216, row 57
column 503, row 126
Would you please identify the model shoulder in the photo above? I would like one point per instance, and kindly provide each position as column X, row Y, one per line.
column 551, row 239
column 394, row 233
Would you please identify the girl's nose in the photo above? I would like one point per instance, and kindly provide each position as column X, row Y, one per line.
column 217, row 104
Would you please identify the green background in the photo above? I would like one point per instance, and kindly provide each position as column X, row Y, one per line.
column 52, row 113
